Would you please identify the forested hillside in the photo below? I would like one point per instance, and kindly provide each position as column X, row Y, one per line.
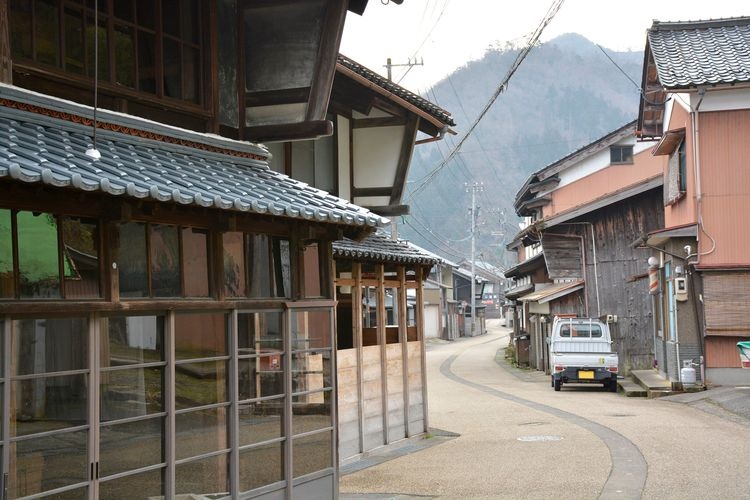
column 565, row 94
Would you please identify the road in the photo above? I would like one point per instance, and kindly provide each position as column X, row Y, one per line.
column 520, row 439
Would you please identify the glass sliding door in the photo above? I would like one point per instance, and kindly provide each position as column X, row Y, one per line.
column 48, row 432
column 132, row 413
column 202, row 402
column 262, row 399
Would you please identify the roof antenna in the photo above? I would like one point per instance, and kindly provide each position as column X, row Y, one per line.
column 92, row 152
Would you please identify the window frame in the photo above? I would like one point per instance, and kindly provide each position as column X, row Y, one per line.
column 59, row 73
column 621, row 154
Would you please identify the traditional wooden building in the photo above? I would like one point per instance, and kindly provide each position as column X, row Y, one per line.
column 697, row 104
column 166, row 299
column 583, row 213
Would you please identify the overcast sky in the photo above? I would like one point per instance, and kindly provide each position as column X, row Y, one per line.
column 448, row 33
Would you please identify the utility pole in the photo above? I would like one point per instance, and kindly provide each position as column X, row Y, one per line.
column 410, row 64
column 475, row 188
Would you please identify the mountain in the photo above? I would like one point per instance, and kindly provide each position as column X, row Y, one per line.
column 565, row 94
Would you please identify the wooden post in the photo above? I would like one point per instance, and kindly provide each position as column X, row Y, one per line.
column 357, row 331
column 420, row 338
column 403, row 337
column 382, row 320
column 6, row 61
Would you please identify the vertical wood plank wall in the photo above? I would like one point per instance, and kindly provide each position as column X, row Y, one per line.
column 381, row 388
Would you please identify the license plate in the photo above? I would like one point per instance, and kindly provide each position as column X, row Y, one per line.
column 586, row 374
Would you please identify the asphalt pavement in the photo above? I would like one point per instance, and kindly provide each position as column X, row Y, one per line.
column 501, row 432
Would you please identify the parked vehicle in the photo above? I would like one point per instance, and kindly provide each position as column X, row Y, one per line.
column 581, row 352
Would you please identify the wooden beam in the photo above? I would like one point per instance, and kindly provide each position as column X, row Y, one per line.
column 325, row 66
column 6, row 60
column 372, row 191
column 420, row 336
column 289, row 131
column 357, row 326
column 390, row 210
column 385, row 121
column 404, row 158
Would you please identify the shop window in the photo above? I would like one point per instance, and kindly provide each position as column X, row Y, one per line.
column 312, row 268
column 38, row 263
column 165, row 260
column 166, row 60
column 259, row 260
column 81, row 258
column 132, row 261
column 153, row 260
column 195, row 257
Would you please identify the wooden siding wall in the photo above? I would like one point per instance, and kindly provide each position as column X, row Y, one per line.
column 725, row 182
column 619, row 270
column 348, row 405
column 372, row 415
column 415, row 381
column 372, row 398
column 395, row 400
column 563, row 256
column 573, row 303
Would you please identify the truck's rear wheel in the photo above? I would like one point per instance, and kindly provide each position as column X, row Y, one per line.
column 612, row 385
column 558, row 384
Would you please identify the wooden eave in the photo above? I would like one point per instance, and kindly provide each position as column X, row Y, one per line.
column 652, row 103
column 669, row 142
column 426, row 119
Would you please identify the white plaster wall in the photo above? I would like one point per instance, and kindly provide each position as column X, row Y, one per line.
column 599, row 161
column 376, row 152
column 344, row 172
column 372, row 201
column 721, row 100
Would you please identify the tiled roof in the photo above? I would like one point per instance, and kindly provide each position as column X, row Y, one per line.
column 380, row 247
column 712, row 52
column 410, row 97
column 40, row 149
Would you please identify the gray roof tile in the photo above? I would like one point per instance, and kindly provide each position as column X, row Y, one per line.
column 38, row 149
column 713, row 52
column 381, row 248
column 410, row 97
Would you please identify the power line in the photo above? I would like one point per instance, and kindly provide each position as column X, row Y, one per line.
column 640, row 90
column 554, row 8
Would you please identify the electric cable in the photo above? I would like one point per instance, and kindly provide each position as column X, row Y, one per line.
column 551, row 12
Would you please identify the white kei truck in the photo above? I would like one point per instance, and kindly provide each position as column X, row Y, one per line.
column 581, row 352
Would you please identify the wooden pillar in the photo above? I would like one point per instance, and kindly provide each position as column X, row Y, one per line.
column 382, row 320
column 420, row 337
column 6, row 61
column 403, row 339
column 357, row 331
